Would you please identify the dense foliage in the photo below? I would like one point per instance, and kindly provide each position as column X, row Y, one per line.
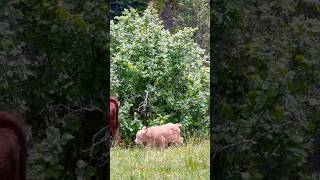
column 159, row 77
column 53, row 69
column 185, row 13
column 195, row 14
column 116, row 6
column 265, row 87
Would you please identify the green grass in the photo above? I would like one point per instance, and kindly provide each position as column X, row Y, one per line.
column 190, row 161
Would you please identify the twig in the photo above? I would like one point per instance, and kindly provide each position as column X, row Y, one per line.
column 144, row 103
column 94, row 144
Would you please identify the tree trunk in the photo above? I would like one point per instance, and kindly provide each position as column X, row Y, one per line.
column 167, row 11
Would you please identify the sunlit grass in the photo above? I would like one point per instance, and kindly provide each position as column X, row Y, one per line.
column 190, row 161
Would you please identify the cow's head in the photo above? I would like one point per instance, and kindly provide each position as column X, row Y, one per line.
column 141, row 135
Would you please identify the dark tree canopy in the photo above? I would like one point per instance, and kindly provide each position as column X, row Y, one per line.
column 265, row 88
column 54, row 71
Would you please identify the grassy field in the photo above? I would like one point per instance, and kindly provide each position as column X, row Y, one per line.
column 190, row 161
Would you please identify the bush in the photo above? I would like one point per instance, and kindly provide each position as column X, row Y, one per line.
column 165, row 71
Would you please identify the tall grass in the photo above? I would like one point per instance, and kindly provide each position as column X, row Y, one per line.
column 190, row 161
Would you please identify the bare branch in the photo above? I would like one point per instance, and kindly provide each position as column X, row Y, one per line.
column 94, row 144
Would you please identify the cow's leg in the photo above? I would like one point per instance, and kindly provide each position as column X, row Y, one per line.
column 162, row 142
column 117, row 137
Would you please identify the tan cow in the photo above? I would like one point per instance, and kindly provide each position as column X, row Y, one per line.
column 160, row 136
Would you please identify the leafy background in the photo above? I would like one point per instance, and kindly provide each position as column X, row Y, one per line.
column 265, row 89
column 54, row 71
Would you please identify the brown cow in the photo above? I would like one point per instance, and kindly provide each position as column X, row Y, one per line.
column 113, row 119
column 12, row 148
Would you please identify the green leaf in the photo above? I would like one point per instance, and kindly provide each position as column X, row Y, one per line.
column 299, row 58
column 54, row 28
column 81, row 164
column 67, row 137
column 63, row 13
column 90, row 171
column 313, row 102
